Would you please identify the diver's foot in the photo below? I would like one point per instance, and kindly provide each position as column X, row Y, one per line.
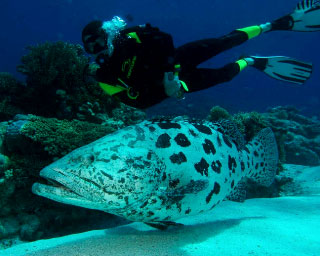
column 304, row 18
column 282, row 68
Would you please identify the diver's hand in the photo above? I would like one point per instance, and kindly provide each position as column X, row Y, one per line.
column 172, row 85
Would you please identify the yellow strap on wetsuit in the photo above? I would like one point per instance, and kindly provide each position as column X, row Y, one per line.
column 111, row 89
column 177, row 68
column 252, row 31
column 135, row 36
column 242, row 64
column 115, row 89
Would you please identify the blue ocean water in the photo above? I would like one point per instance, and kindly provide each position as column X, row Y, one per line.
column 36, row 21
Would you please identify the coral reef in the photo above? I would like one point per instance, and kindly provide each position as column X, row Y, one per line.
column 298, row 135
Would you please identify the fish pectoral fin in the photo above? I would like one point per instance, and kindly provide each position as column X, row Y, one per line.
column 239, row 193
column 163, row 225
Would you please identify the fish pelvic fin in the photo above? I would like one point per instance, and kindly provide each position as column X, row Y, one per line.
column 264, row 156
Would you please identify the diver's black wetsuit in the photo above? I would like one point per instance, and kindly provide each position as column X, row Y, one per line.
column 141, row 64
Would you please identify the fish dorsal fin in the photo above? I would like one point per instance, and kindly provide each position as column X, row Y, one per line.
column 224, row 126
column 231, row 130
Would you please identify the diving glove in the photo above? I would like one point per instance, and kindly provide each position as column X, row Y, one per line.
column 172, row 85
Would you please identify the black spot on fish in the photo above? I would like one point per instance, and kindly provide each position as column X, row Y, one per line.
column 243, row 167
column 202, row 167
column 101, row 180
column 219, row 141
column 256, row 166
column 182, row 140
column 215, row 190
column 164, row 176
column 192, row 133
column 149, row 155
column 246, row 149
column 255, row 153
column 169, row 125
column 163, row 141
column 231, row 162
column 209, row 147
column 122, row 170
column 216, row 166
column 144, row 204
column 214, row 205
column 158, row 170
column 174, row 183
column 152, row 129
column 107, row 175
column 203, row 129
column 147, row 164
column 262, row 164
column 178, row 158
column 187, row 211
column 227, row 141
column 232, row 184
column 126, row 199
column 114, row 157
column 129, row 161
column 122, row 180
column 154, row 201
column 150, row 214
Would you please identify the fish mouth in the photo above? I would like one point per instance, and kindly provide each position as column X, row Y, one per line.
column 58, row 188
column 56, row 183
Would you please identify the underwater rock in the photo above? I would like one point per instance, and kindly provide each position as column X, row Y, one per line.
column 4, row 162
column 11, row 96
column 298, row 135
column 297, row 154
column 8, row 227
column 28, row 230
column 7, row 188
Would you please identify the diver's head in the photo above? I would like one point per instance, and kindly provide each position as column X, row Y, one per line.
column 94, row 37
column 98, row 36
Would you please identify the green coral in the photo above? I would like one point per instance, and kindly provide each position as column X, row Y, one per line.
column 59, row 81
column 217, row 113
column 59, row 137
column 58, row 65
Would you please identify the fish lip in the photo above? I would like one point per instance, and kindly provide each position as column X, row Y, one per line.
column 57, row 179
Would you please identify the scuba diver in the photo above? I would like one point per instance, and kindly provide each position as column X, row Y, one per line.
column 141, row 67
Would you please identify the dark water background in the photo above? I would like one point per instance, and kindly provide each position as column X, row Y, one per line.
column 35, row 21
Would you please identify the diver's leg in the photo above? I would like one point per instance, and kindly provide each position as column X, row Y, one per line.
column 192, row 54
column 203, row 78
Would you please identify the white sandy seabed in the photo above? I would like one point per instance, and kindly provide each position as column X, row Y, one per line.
column 285, row 226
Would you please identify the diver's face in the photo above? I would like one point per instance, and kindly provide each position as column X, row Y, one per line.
column 95, row 44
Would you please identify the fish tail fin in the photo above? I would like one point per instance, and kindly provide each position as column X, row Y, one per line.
column 264, row 157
